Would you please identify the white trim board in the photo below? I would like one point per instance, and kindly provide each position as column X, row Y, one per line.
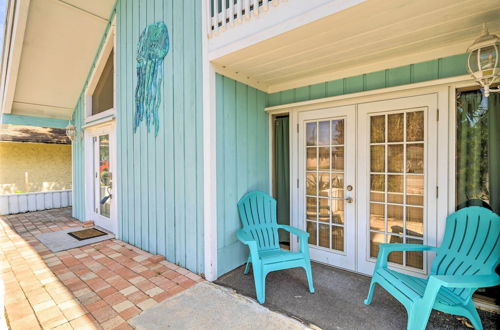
column 17, row 18
column 368, row 96
column 209, row 157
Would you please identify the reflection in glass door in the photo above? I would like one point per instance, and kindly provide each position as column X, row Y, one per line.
column 397, row 178
column 103, row 176
column 102, row 195
column 325, row 183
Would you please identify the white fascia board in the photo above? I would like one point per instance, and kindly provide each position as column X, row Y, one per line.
column 11, row 58
column 277, row 20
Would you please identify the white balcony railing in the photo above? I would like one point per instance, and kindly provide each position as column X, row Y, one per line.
column 227, row 13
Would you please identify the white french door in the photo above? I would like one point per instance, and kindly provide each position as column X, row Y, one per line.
column 327, row 154
column 100, row 162
column 367, row 175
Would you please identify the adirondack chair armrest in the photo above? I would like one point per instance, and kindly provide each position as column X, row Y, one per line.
column 296, row 231
column 246, row 239
column 303, row 235
column 466, row 281
column 386, row 249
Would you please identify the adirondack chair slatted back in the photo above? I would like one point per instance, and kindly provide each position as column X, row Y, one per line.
column 470, row 245
column 258, row 215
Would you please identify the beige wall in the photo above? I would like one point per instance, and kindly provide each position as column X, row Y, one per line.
column 34, row 167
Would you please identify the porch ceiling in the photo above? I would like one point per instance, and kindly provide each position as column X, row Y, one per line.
column 48, row 50
column 371, row 36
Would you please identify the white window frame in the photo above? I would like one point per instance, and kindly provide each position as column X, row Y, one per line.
column 108, row 47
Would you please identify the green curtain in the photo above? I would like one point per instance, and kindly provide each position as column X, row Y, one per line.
column 282, row 174
column 494, row 150
column 478, row 148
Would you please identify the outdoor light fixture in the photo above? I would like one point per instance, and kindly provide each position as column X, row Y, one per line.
column 483, row 62
column 71, row 131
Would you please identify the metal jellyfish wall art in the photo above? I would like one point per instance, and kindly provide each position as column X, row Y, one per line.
column 152, row 48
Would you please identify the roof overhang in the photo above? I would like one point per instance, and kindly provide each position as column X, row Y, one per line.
column 49, row 47
column 367, row 37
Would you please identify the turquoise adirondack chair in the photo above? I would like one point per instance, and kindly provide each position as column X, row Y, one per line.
column 465, row 261
column 260, row 232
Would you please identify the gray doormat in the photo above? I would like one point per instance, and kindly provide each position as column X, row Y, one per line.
column 60, row 240
column 209, row 306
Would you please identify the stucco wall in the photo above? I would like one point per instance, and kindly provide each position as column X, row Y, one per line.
column 34, row 167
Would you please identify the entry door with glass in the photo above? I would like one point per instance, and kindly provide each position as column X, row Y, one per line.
column 103, row 199
column 366, row 176
column 397, row 192
column 326, row 182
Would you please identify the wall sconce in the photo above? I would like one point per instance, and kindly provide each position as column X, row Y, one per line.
column 71, row 131
column 483, row 62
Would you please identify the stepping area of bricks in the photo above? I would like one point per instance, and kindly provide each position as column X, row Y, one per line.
column 98, row 286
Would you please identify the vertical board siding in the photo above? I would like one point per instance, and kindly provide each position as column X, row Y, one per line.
column 160, row 201
column 160, row 178
column 436, row 69
column 242, row 161
column 78, row 163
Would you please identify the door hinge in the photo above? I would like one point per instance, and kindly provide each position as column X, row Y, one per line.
column 297, row 128
column 437, row 192
column 96, row 211
column 437, row 115
column 297, row 183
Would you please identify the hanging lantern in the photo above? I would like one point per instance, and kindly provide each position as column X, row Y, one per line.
column 483, row 62
column 71, row 131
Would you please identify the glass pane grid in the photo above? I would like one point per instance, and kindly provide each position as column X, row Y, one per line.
column 396, row 215
column 324, row 183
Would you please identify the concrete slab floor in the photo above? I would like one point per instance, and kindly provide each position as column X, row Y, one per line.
column 338, row 301
column 209, row 306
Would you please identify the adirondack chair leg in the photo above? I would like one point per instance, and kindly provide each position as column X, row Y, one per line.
column 309, row 277
column 368, row 299
column 415, row 322
column 418, row 316
column 260, row 287
column 247, row 267
column 473, row 316
column 259, row 278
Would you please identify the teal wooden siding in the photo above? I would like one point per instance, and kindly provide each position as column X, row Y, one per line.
column 242, row 161
column 160, row 179
column 8, row 118
column 430, row 70
column 78, row 163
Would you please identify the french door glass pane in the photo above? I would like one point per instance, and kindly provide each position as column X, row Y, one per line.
column 104, row 177
column 397, row 174
column 325, row 183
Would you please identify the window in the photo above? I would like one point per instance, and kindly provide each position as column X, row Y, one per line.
column 477, row 150
column 102, row 98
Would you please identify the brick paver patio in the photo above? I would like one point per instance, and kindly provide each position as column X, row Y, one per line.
column 101, row 285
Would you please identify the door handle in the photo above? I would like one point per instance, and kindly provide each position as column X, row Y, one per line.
column 349, row 200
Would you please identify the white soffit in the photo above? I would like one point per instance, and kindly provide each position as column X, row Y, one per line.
column 371, row 36
column 60, row 42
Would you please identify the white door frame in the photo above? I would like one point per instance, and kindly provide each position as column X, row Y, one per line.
column 444, row 88
column 108, row 127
